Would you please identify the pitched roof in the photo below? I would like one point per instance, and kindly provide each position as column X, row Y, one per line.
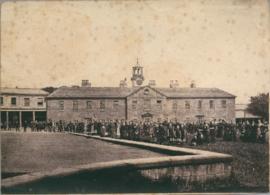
column 241, row 106
column 247, row 115
column 195, row 93
column 23, row 91
column 241, row 112
column 91, row 92
column 118, row 92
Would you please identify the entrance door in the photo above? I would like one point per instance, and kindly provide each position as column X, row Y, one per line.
column 147, row 117
column 200, row 118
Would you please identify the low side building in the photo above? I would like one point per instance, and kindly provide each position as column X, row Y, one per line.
column 242, row 114
column 22, row 105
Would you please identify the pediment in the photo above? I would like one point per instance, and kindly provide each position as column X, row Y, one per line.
column 147, row 91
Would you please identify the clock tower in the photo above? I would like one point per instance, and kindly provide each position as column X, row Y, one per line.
column 137, row 75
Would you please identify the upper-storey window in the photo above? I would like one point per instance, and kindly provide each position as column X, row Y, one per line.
column 159, row 104
column 174, row 106
column 61, row 105
column 26, row 101
column 75, row 105
column 147, row 104
column 211, row 104
column 40, row 102
column 134, row 104
column 187, row 105
column 115, row 104
column 89, row 105
column 200, row 104
column 223, row 103
column 102, row 104
column 13, row 101
column 1, row 101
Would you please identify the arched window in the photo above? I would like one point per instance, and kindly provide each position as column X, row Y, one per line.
column 146, row 92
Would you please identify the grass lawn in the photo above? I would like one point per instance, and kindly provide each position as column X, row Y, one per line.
column 250, row 161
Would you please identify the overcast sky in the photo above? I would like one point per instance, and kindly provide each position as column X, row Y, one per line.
column 217, row 43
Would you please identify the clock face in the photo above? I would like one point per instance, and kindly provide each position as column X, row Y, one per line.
column 139, row 82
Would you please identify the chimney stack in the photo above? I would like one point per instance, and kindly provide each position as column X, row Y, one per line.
column 152, row 83
column 85, row 83
column 192, row 84
column 123, row 83
column 174, row 84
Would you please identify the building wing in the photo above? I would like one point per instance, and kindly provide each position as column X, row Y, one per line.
column 195, row 93
column 90, row 92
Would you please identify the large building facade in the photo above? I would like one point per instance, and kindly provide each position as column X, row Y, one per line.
column 140, row 102
column 22, row 105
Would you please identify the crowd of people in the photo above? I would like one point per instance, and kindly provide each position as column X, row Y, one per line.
column 166, row 132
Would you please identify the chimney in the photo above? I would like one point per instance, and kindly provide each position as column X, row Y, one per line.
column 152, row 83
column 171, row 83
column 192, row 84
column 123, row 83
column 85, row 83
column 174, row 84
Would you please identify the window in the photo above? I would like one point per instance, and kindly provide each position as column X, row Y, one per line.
column 200, row 104
column 89, row 105
column 61, row 105
column 40, row 102
column 223, row 103
column 146, row 92
column 211, row 104
column 134, row 104
column 115, row 104
column 75, row 105
column 147, row 104
column 13, row 101
column 1, row 101
column 102, row 104
column 174, row 106
column 159, row 104
column 187, row 105
column 26, row 101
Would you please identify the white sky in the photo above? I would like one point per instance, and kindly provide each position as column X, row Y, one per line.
column 217, row 43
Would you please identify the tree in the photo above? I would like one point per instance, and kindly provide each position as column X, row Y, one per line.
column 259, row 105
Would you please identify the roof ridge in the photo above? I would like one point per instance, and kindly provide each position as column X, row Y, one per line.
column 124, row 92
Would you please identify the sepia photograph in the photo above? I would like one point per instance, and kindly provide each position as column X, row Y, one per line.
column 134, row 96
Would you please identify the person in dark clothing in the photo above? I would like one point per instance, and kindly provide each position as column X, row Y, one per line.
column 24, row 126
